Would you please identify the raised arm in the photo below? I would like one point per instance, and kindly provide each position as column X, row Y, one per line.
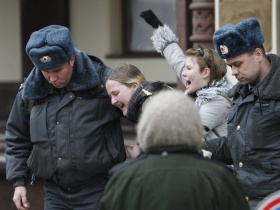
column 166, row 43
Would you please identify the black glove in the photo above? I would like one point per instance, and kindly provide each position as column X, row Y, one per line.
column 151, row 18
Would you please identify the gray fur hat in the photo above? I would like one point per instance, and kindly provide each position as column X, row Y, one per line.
column 169, row 119
column 232, row 40
column 50, row 47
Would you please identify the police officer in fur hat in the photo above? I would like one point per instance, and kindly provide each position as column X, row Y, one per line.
column 72, row 134
column 253, row 142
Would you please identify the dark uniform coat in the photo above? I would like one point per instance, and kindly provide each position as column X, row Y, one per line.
column 253, row 142
column 73, row 135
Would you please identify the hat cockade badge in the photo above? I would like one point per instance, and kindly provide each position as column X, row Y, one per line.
column 224, row 49
column 45, row 59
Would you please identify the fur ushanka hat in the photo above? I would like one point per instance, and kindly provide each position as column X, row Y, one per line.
column 50, row 47
column 232, row 40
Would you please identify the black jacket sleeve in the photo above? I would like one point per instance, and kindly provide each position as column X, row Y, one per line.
column 19, row 146
column 220, row 150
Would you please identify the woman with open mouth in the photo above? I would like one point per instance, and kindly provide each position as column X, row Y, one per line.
column 202, row 72
column 129, row 91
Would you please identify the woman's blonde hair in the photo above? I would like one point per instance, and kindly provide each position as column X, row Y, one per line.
column 209, row 58
column 126, row 74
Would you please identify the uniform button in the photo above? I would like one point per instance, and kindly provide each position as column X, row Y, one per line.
column 68, row 188
column 240, row 164
column 57, row 122
column 238, row 127
column 164, row 154
column 59, row 159
column 247, row 198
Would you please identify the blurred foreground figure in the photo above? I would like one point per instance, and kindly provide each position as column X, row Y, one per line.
column 172, row 174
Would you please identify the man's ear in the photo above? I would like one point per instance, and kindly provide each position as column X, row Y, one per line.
column 72, row 60
column 206, row 72
column 259, row 55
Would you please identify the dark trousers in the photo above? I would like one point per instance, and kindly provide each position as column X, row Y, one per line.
column 86, row 198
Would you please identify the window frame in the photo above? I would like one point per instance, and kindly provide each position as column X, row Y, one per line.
column 127, row 32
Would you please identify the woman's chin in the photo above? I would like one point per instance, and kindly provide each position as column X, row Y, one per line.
column 189, row 91
column 124, row 112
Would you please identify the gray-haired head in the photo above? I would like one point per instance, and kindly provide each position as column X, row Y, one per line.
column 170, row 118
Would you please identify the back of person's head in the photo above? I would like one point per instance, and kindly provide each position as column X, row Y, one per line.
column 126, row 74
column 169, row 119
column 232, row 40
column 50, row 47
column 208, row 58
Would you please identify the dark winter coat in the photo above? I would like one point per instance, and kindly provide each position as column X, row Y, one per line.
column 253, row 142
column 173, row 178
column 73, row 136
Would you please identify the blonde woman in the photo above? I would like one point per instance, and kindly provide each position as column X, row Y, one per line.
column 129, row 91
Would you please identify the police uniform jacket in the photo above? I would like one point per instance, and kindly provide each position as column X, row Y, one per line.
column 72, row 137
column 253, row 142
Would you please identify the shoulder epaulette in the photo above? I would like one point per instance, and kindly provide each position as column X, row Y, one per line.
column 21, row 86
